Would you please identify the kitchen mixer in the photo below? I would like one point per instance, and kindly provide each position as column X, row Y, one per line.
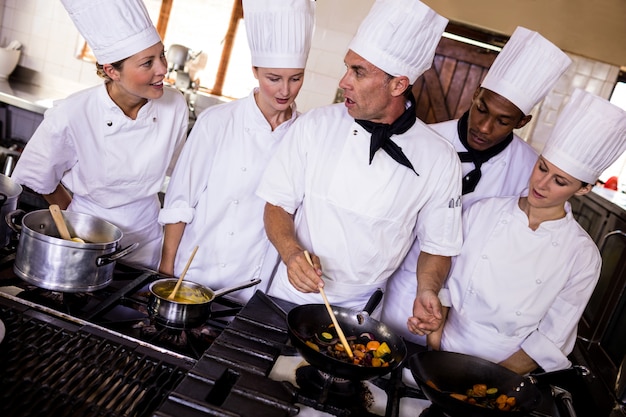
column 179, row 58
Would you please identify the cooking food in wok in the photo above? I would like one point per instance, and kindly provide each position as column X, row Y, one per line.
column 444, row 376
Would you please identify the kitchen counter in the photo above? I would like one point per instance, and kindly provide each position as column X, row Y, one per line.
column 29, row 96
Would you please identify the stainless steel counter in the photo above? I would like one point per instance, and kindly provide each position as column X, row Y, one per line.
column 29, row 90
column 27, row 96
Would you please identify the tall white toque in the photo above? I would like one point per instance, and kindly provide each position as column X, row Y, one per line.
column 279, row 31
column 526, row 69
column 399, row 37
column 113, row 29
column 589, row 135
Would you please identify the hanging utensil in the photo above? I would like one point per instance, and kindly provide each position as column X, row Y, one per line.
column 57, row 216
column 182, row 276
column 342, row 337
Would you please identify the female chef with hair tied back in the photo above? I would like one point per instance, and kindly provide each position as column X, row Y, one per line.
column 105, row 151
column 211, row 201
column 527, row 269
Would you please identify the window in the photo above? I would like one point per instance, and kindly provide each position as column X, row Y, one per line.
column 215, row 30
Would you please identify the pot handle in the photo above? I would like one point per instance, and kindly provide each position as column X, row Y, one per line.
column 11, row 217
column 111, row 257
column 3, row 199
column 374, row 300
column 228, row 290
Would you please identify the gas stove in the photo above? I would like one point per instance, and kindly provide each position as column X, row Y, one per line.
column 100, row 353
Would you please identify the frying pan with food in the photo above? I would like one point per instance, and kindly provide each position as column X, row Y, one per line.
column 439, row 373
column 307, row 320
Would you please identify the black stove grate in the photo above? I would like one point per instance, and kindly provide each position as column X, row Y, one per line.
column 78, row 371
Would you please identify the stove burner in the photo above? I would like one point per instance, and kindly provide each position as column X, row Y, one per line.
column 330, row 394
column 66, row 302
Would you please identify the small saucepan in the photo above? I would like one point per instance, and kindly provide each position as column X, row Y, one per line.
column 307, row 320
column 440, row 373
column 190, row 307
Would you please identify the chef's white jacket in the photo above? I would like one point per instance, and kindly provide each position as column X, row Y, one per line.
column 506, row 174
column 113, row 165
column 213, row 189
column 361, row 219
column 514, row 288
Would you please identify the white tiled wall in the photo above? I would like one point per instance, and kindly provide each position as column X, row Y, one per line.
column 596, row 77
column 49, row 42
column 336, row 22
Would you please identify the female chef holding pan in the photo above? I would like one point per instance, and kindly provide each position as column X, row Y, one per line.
column 105, row 150
column 210, row 201
column 527, row 268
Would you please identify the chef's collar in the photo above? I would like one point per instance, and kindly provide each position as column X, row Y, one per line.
column 382, row 132
column 478, row 158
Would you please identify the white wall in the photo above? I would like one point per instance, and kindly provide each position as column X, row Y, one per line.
column 50, row 42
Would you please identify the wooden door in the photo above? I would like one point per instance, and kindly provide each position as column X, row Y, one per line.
column 445, row 91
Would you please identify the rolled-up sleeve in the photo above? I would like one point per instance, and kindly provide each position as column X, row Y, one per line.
column 189, row 178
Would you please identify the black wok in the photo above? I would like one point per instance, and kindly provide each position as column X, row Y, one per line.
column 456, row 372
column 304, row 321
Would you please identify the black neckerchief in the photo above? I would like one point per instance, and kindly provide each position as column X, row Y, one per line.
column 477, row 157
column 381, row 135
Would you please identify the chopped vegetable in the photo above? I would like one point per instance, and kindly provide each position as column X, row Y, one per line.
column 367, row 351
column 482, row 396
column 327, row 336
column 312, row 345
column 373, row 345
column 382, row 350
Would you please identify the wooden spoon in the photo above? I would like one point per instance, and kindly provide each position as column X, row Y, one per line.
column 182, row 276
column 342, row 337
column 57, row 216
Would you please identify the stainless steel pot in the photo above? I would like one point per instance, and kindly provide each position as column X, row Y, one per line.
column 180, row 315
column 47, row 261
column 9, row 193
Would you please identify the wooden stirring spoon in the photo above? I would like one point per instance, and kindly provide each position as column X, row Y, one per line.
column 57, row 216
column 331, row 313
column 182, row 276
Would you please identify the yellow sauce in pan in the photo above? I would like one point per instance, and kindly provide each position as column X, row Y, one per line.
column 186, row 295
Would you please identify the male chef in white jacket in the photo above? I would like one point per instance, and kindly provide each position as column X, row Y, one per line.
column 495, row 161
column 355, row 183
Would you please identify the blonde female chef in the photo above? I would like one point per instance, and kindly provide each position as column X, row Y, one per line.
column 210, row 200
column 106, row 150
column 527, row 268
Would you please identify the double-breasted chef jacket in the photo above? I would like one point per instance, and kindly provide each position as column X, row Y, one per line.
column 113, row 165
column 361, row 219
column 213, row 189
column 505, row 174
column 516, row 288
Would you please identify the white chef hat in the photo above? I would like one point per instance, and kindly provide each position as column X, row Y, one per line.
column 589, row 135
column 399, row 37
column 114, row 29
column 526, row 69
column 279, row 31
